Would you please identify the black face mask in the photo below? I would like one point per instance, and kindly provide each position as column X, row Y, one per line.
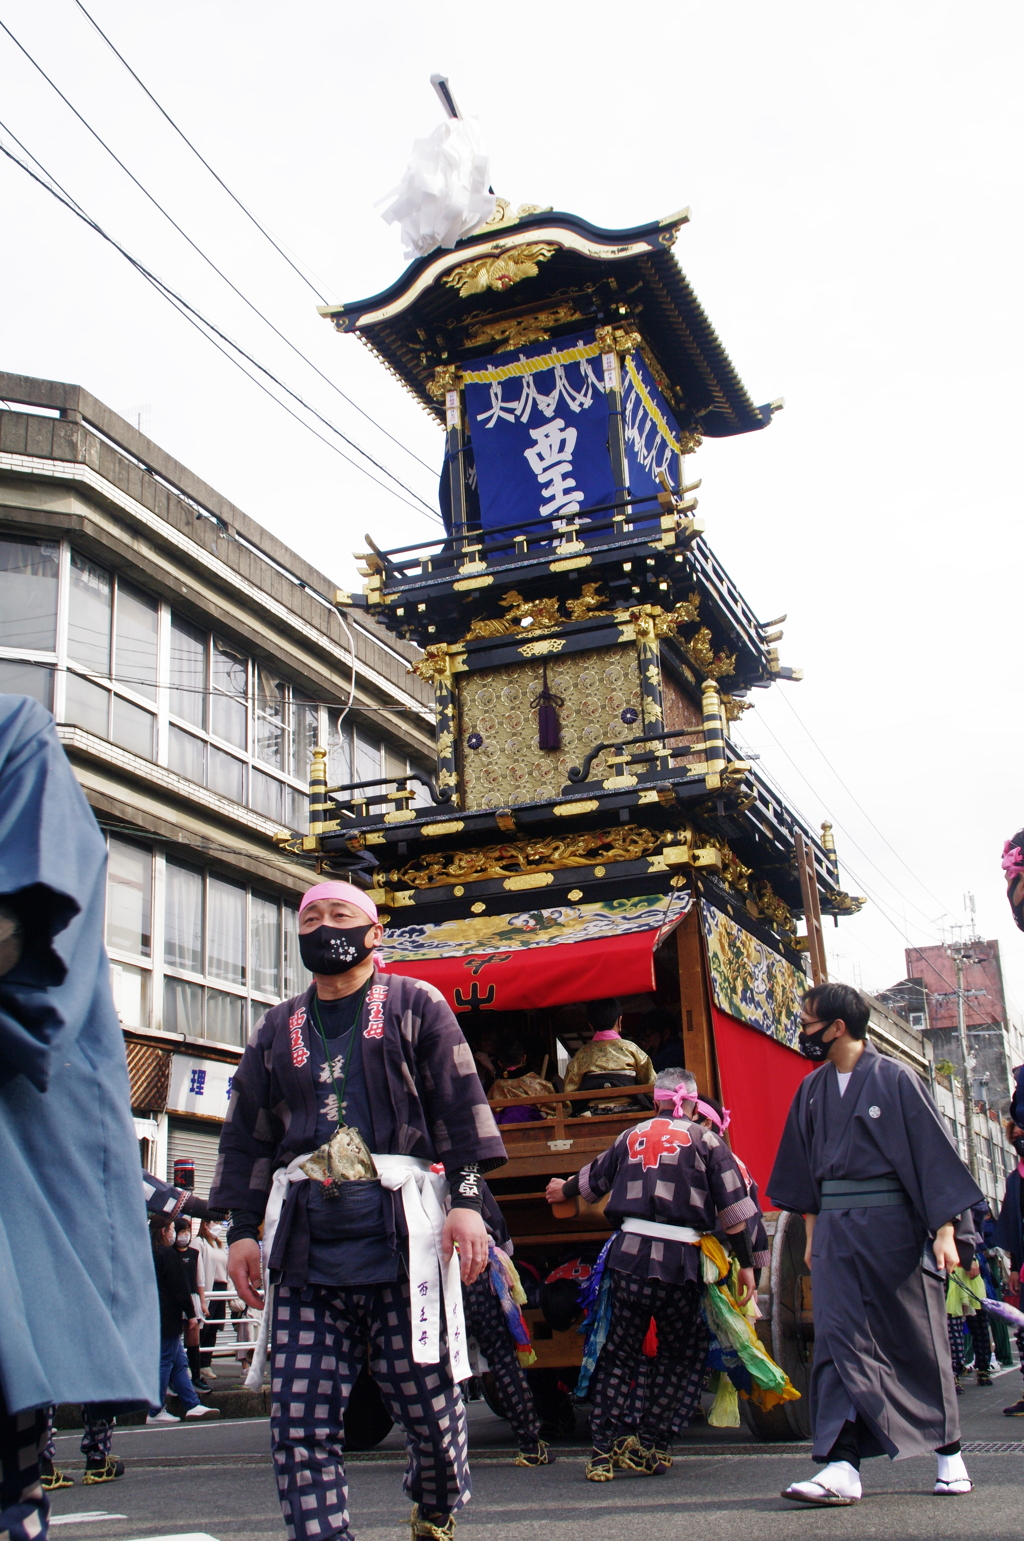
column 334, row 949
column 812, row 1046
column 1018, row 1145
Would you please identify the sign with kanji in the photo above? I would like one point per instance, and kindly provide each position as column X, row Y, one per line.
column 200, row 1085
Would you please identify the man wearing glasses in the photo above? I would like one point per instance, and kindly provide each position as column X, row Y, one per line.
column 865, row 1156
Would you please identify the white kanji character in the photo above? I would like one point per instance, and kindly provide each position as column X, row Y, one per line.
column 562, row 491
column 333, row 1070
column 552, row 442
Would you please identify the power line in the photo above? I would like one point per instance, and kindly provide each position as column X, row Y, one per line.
column 182, row 135
column 220, row 273
column 197, row 319
column 858, row 804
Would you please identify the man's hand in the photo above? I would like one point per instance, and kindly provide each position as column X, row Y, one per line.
column 809, row 1228
column 974, row 1270
column 246, row 1271
column 944, row 1247
column 465, row 1230
column 747, row 1286
column 555, row 1190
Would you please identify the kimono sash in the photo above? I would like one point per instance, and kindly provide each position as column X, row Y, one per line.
column 423, row 1194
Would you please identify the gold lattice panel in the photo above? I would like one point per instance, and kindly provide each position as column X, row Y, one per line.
column 596, row 686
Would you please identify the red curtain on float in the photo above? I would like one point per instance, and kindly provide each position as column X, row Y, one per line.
column 758, row 1078
column 541, row 976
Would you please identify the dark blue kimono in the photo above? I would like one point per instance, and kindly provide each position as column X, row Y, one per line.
column 78, row 1310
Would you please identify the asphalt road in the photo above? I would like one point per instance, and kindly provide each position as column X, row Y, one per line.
column 213, row 1481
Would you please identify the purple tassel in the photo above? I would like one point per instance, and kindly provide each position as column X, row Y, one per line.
column 546, row 704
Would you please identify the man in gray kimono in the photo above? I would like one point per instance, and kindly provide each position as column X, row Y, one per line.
column 866, row 1158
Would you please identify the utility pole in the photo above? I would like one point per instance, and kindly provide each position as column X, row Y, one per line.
column 965, row 1083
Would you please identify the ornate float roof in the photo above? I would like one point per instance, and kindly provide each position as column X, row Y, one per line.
column 539, row 274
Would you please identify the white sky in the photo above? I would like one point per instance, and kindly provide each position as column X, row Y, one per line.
column 854, row 179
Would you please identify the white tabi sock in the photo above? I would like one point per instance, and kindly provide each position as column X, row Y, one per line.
column 951, row 1469
column 841, row 1478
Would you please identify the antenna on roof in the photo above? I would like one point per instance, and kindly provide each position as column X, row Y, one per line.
column 447, row 100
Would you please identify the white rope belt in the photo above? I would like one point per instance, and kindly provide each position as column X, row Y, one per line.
column 661, row 1230
column 424, row 1195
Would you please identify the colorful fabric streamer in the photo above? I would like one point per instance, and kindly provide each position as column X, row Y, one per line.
column 596, row 1300
column 506, row 1285
column 762, row 1381
column 1000, row 1308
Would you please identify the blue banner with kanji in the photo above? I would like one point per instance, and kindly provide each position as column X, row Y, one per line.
column 538, row 421
column 650, row 430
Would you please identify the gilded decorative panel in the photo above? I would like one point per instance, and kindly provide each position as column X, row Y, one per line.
column 751, row 982
column 536, row 928
column 596, row 686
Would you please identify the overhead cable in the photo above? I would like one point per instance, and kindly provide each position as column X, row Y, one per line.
column 200, row 322
column 220, row 273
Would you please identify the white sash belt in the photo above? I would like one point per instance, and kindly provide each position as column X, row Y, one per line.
column 424, row 1197
column 661, row 1230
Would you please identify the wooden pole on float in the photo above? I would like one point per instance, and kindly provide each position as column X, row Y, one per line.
column 812, row 909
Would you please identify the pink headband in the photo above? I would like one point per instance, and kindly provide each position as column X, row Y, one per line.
column 1013, row 861
column 677, row 1095
column 720, row 1120
column 346, row 891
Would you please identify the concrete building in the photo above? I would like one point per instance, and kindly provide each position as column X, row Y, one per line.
column 192, row 662
column 928, row 999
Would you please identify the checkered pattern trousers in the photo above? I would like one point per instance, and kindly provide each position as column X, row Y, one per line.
column 670, row 1380
column 319, row 1344
column 24, row 1507
column 955, row 1328
column 97, row 1433
column 485, row 1321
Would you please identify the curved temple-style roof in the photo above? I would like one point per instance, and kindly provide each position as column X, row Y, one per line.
column 451, row 304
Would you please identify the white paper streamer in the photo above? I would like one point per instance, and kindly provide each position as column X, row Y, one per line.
column 444, row 192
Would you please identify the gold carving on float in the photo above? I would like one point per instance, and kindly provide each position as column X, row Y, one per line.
column 774, row 909
column 734, row 873
column 516, row 333
column 617, row 339
column 450, row 827
column 500, row 272
column 715, row 665
column 503, row 218
column 545, row 645
column 734, row 708
column 435, row 869
column 435, row 665
column 574, row 895
column 529, row 880
column 844, row 904
column 542, row 613
column 567, row 810
column 445, row 379
column 464, row 584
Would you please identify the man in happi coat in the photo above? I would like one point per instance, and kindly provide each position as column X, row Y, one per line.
column 78, row 1308
column 344, row 1098
column 866, row 1157
column 669, row 1182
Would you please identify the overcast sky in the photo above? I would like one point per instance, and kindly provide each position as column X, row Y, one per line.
column 854, row 178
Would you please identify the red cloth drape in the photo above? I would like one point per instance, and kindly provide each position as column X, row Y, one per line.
column 541, row 976
column 758, row 1078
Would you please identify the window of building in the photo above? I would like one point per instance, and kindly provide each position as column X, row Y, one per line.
column 29, row 585
column 127, row 668
column 29, row 571
column 191, row 950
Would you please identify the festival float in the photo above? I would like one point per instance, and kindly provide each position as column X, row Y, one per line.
column 592, row 830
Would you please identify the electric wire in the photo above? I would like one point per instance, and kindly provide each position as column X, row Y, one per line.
column 182, row 135
column 859, row 805
column 223, row 276
column 858, row 879
column 213, row 333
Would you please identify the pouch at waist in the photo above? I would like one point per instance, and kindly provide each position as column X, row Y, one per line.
column 862, row 1192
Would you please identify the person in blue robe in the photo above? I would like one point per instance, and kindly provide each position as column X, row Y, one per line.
column 79, row 1320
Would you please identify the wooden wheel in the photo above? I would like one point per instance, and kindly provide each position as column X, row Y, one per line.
column 786, row 1329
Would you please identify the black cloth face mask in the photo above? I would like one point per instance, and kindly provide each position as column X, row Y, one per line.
column 812, row 1045
column 1018, row 1145
column 334, row 949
